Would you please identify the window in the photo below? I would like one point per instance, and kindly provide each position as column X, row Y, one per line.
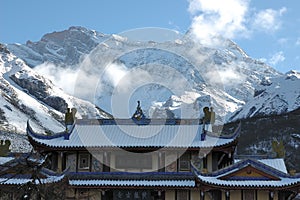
column 84, row 161
column 184, row 162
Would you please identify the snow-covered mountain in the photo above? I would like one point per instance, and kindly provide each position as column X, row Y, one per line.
column 274, row 96
column 28, row 95
column 64, row 47
column 223, row 76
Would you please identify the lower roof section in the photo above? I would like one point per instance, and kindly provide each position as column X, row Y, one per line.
column 130, row 179
column 250, row 174
column 21, row 181
column 134, row 183
column 283, row 182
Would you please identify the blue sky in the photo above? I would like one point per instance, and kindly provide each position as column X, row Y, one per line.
column 267, row 30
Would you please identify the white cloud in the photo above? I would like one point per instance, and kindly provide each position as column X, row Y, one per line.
column 64, row 78
column 268, row 19
column 230, row 19
column 214, row 17
column 227, row 76
column 114, row 73
column 276, row 58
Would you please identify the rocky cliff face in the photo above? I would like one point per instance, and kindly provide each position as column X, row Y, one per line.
column 273, row 96
column 26, row 95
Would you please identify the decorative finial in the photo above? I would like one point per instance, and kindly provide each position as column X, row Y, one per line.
column 138, row 114
column 4, row 147
column 69, row 118
column 209, row 118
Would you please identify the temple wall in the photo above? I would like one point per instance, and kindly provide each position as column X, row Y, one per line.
column 262, row 194
column 70, row 193
column 195, row 195
column 236, row 194
column 59, row 163
column 80, row 194
column 170, row 195
column 276, row 195
column 168, row 160
column 95, row 194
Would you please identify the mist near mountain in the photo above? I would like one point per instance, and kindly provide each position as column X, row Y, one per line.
column 223, row 76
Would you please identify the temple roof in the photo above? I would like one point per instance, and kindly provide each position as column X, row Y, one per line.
column 276, row 163
column 132, row 135
column 250, row 173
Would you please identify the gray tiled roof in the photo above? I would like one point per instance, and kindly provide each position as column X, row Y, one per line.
column 178, row 136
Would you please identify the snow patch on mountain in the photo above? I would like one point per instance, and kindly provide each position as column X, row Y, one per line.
column 274, row 96
column 225, row 73
column 27, row 95
column 63, row 47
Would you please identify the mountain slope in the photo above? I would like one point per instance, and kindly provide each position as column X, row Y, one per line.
column 27, row 95
column 273, row 97
column 64, row 47
column 223, row 76
column 258, row 132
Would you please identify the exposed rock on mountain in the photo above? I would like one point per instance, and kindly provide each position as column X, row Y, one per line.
column 27, row 95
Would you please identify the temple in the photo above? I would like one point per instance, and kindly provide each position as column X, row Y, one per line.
column 158, row 159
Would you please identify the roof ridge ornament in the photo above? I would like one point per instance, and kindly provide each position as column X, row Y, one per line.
column 138, row 114
column 70, row 121
column 208, row 119
column 4, row 147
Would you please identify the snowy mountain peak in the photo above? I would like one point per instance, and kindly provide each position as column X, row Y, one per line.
column 62, row 47
column 224, row 73
column 293, row 74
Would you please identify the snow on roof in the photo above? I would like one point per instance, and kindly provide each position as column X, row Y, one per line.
column 276, row 163
column 134, row 136
column 20, row 181
column 274, row 167
column 249, row 183
column 4, row 160
column 149, row 183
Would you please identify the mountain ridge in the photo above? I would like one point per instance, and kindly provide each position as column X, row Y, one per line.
column 240, row 75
